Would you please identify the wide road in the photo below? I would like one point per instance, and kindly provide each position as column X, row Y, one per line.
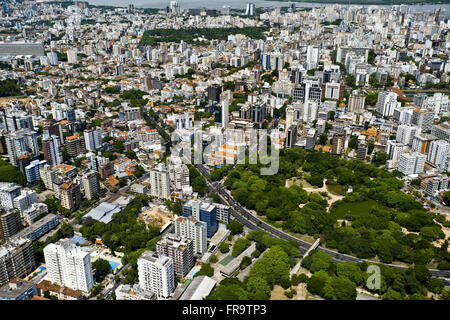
column 252, row 222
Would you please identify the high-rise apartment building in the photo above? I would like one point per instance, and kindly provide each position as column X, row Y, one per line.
column 204, row 211
column 438, row 151
column 16, row 119
column 250, row 10
column 51, row 146
column 156, row 274
column 69, row 265
column 394, row 149
column 405, row 134
column 16, row 259
column 411, row 163
column 191, row 228
column 180, row 249
column 91, row 184
column 75, row 146
column 356, row 101
column 20, row 143
column 9, row 224
column 423, row 119
column 386, row 103
column 92, row 139
column 179, row 175
column 337, row 146
column 160, row 182
column 70, row 195
column 32, row 170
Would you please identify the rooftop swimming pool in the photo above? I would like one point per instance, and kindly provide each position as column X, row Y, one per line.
column 41, row 269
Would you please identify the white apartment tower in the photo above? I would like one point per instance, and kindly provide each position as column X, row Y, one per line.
column 91, row 184
column 312, row 57
column 160, row 182
column 92, row 139
column 411, row 163
column 394, row 150
column 68, row 265
column 438, row 151
column 405, row 134
column 156, row 274
column 386, row 103
column 191, row 228
column 225, row 112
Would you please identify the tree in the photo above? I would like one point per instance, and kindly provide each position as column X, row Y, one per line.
column 331, row 115
column 317, row 281
column 239, row 246
column 272, row 266
column 435, row 285
column 9, row 173
column 391, row 294
column 380, row 158
column 323, row 139
column 131, row 154
column 9, row 87
column 258, row 287
column 205, row 270
column 235, row 227
column 118, row 146
column 343, row 289
column 321, row 261
column 353, row 143
column 350, row 80
column 246, row 261
column 101, row 268
column 66, row 156
column 213, row 259
column 446, row 198
column 370, row 146
column 224, row 247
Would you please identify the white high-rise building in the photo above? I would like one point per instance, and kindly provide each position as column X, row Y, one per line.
column 51, row 146
column 437, row 153
column 20, row 143
column 160, row 182
column 310, row 111
column 250, row 10
column 25, row 200
column 91, row 184
column 394, row 149
column 92, row 139
column 68, row 265
column 193, row 229
column 225, row 115
column 179, row 175
column 156, row 274
column 411, row 163
column 386, row 103
column 312, row 57
column 72, row 56
column 52, row 58
column 405, row 134
column 439, row 103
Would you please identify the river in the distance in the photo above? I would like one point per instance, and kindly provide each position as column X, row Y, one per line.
column 236, row 4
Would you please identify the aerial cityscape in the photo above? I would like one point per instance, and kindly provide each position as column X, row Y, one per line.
column 183, row 150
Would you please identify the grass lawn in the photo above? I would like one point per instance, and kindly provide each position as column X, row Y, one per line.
column 354, row 209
